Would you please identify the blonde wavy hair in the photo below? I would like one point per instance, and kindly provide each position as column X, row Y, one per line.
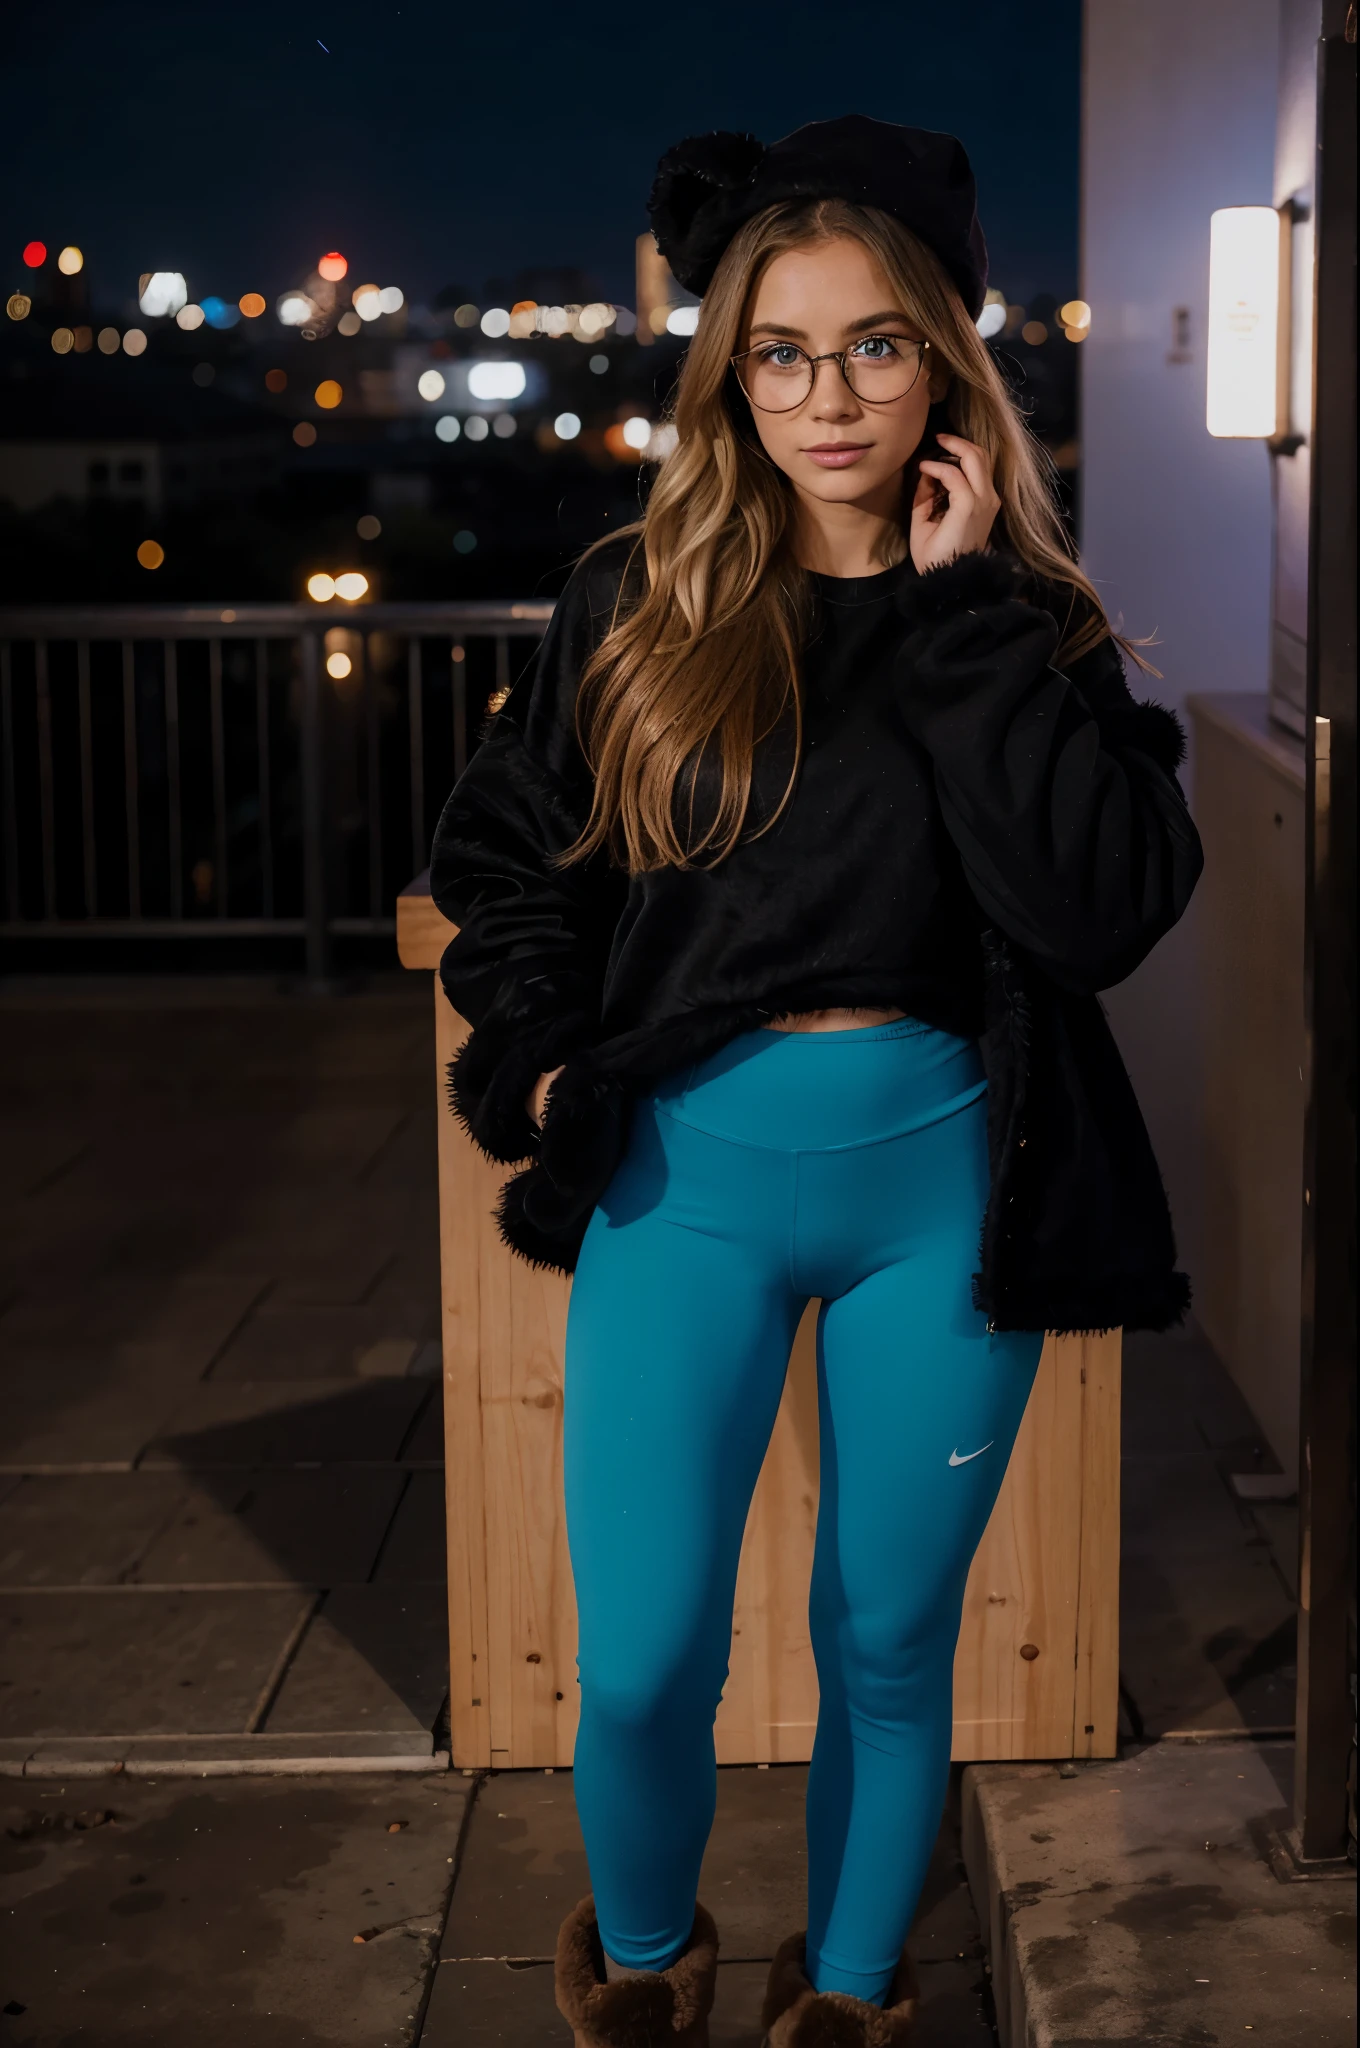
column 701, row 660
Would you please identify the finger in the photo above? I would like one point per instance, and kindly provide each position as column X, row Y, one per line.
column 974, row 462
column 955, row 480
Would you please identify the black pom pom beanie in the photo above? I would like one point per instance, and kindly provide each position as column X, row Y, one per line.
column 710, row 185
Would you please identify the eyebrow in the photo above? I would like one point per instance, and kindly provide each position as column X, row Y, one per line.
column 855, row 326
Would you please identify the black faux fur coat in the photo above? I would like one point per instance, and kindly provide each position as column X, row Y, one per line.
column 1022, row 843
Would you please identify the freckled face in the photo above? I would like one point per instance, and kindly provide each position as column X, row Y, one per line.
column 836, row 445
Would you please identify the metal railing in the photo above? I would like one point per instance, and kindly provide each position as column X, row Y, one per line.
column 217, row 771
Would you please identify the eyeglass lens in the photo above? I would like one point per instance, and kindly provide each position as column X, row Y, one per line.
column 780, row 375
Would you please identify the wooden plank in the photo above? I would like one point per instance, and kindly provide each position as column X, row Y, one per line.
column 466, row 1187
column 422, row 931
column 1095, row 1713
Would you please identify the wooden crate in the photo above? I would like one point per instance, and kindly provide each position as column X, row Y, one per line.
column 1036, row 1671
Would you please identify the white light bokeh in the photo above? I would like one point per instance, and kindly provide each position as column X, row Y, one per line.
column 490, row 381
column 391, row 299
column 162, row 293
column 495, row 322
column 447, row 428
column 566, row 426
column 637, row 432
column 990, row 321
column 430, row 385
column 682, row 320
column 503, row 426
column 295, row 309
column 476, row 428
column 189, row 317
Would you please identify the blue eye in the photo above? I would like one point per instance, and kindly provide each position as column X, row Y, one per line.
column 875, row 348
column 783, row 355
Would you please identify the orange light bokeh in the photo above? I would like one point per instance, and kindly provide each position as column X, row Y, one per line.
column 276, row 380
column 304, row 433
column 252, row 305
column 328, row 394
column 151, row 554
column 332, row 267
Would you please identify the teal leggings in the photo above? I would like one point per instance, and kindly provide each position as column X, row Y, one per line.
column 848, row 1166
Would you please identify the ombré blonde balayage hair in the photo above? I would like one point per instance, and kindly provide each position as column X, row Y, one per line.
column 701, row 660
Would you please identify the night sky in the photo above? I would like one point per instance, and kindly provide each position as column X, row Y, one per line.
column 435, row 144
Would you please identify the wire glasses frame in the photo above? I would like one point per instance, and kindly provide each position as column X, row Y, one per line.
column 869, row 371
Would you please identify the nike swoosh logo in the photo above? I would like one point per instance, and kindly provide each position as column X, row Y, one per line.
column 955, row 1459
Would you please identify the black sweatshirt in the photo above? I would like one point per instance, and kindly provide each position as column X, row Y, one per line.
column 954, row 781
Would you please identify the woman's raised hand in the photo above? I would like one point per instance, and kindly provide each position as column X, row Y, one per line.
column 965, row 525
column 537, row 1099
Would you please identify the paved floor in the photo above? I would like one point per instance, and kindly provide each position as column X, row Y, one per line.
column 221, row 1493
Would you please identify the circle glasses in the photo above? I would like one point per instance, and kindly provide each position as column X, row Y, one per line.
column 778, row 376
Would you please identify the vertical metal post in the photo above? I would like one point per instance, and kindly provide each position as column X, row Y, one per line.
column 87, row 848
column 45, row 798
column 219, row 776
column 373, row 779
column 262, row 779
column 314, row 851
column 420, row 852
column 132, row 813
column 11, row 784
column 176, row 836
column 1325, row 1706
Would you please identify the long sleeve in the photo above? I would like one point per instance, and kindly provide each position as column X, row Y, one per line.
column 1058, row 790
column 527, row 965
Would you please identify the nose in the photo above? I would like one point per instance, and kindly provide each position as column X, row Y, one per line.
column 831, row 397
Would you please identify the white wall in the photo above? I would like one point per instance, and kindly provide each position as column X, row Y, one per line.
column 1178, row 118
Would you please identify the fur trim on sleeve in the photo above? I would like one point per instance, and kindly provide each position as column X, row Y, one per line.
column 965, row 584
column 1156, row 731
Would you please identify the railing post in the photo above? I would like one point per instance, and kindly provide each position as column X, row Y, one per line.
column 315, row 848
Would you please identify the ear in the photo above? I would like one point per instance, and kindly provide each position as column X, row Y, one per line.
column 940, row 378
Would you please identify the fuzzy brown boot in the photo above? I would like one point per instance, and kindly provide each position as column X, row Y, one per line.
column 655, row 2009
column 796, row 2016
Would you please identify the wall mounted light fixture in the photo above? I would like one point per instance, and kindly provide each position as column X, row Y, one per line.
column 1248, row 381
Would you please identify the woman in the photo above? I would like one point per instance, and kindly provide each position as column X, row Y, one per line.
column 785, row 882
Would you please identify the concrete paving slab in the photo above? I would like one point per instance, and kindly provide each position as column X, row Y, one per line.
column 373, row 1657
column 309, row 1528
column 296, row 1422
column 294, row 1343
column 416, row 1549
column 87, row 1530
column 194, row 1312
column 138, row 1662
column 90, row 1412
column 225, row 1913
column 424, row 1447
column 1132, row 1903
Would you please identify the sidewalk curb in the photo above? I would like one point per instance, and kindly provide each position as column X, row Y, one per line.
column 32, row 1768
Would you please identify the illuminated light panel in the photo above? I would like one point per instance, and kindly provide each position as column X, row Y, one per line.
column 492, row 381
column 321, row 587
column 151, row 554
column 338, row 666
column 328, row 394
column 161, row 293
column 351, row 586
column 430, row 385
column 71, row 260
column 35, row 255
column 566, row 426
column 189, row 318
column 332, row 267
column 1248, row 355
column 251, row 304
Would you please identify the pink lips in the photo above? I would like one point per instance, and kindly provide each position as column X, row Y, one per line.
column 837, row 454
